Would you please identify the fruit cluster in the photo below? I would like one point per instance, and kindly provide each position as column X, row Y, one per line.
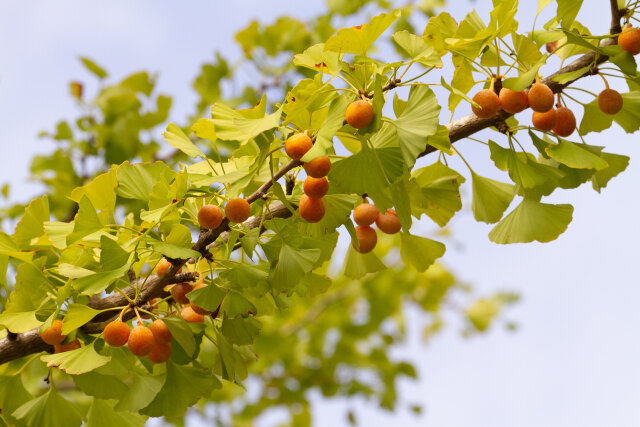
column 211, row 216
column 365, row 214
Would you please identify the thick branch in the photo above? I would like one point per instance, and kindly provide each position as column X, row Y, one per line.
column 16, row 346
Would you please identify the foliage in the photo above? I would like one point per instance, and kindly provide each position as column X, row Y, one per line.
column 290, row 311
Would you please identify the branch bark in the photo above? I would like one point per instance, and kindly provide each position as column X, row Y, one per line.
column 16, row 346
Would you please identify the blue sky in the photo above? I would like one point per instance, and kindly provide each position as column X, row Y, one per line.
column 574, row 359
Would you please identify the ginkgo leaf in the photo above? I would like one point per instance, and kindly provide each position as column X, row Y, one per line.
column 182, row 333
column 292, row 265
column 178, row 140
column 98, row 282
column 490, row 198
column 318, row 59
column 358, row 39
column 208, row 297
column 112, row 255
column 183, row 387
column 49, row 410
column 521, row 82
column 86, row 221
column 417, row 49
column 137, row 181
column 30, row 225
column 101, row 414
column 242, row 125
column 367, row 171
column 77, row 315
column 358, row 265
column 438, row 192
column 532, row 220
column 576, row 155
column 617, row 164
column 20, row 322
column 235, row 304
column 78, row 361
column 13, row 394
column 420, row 252
column 240, row 330
column 418, row 121
column 100, row 385
column 331, row 125
column 141, row 392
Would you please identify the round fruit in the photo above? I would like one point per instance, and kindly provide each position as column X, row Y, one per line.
column 365, row 214
column 237, row 210
column 73, row 345
column 116, row 334
column 161, row 332
column 545, row 121
column 359, row 114
column 367, row 238
column 489, row 103
column 179, row 292
column 53, row 334
column 318, row 167
column 513, row 102
column 566, row 122
column 195, row 308
column 141, row 341
column 388, row 222
column 316, row 188
column 210, row 216
column 552, row 46
column 629, row 40
column 160, row 353
column 191, row 316
column 610, row 101
column 162, row 267
column 540, row 98
column 297, row 145
column 311, row 209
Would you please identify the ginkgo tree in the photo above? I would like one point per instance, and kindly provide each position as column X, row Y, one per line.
column 171, row 280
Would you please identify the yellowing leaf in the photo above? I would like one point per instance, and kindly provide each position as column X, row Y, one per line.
column 359, row 39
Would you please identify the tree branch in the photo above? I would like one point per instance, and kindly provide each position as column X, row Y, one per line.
column 15, row 346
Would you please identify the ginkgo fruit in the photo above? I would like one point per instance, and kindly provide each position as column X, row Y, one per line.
column 161, row 332
column 141, row 341
column 629, row 40
column 73, row 345
column 365, row 214
column 489, row 104
column 196, row 308
column 610, row 101
column 237, row 210
column 311, row 209
column 210, row 217
column 160, row 353
column 359, row 114
column 566, row 122
column 53, row 334
column 512, row 101
column 318, row 167
column 367, row 238
column 388, row 222
column 162, row 267
column 316, row 188
column 540, row 98
column 179, row 292
column 191, row 316
column 116, row 333
column 545, row 121
column 297, row 145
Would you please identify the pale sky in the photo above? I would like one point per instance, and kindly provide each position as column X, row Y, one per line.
column 574, row 359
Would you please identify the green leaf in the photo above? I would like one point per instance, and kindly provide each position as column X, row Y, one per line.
column 178, row 140
column 101, row 414
column 239, row 330
column 30, row 225
column 318, row 59
column 137, row 181
column 173, row 251
column 139, row 82
column 101, row 192
column 112, row 255
column 490, row 198
column 292, row 265
column 418, row 121
column 20, row 322
column 532, row 220
column 416, row 48
column 77, row 315
column 542, row 4
column 617, row 164
column 183, row 387
column 13, row 394
column 359, row 39
column 141, row 392
column 362, row 172
column 576, row 156
column 571, row 76
column 358, row 265
column 98, row 282
column 49, row 410
column 242, row 125
column 182, row 333
column 482, row 313
column 208, row 297
column 235, row 304
column 328, row 129
column 99, row 385
column 438, row 192
column 78, row 361
column 420, row 252
column 86, row 221
column 93, row 67
column 521, row 82
column 567, row 12
column 521, row 167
